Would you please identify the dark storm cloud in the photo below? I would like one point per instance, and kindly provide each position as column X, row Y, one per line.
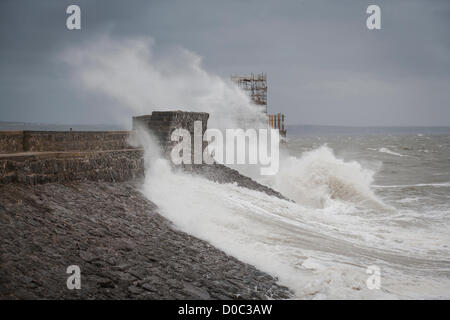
column 323, row 65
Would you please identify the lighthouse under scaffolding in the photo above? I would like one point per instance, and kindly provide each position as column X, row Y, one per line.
column 255, row 85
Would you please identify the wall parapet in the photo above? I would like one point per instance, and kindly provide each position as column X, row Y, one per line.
column 42, row 141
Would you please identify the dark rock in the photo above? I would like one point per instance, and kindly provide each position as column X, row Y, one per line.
column 134, row 252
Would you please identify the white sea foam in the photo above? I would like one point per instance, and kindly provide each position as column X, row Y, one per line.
column 319, row 179
column 388, row 151
column 320, row 253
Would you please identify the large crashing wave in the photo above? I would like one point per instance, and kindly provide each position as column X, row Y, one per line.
column 318, row 178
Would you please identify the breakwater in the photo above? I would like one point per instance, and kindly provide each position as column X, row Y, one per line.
column 59, row 156
column 73, row 198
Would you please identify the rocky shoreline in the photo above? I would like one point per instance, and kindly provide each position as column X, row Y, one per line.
column 124, row 248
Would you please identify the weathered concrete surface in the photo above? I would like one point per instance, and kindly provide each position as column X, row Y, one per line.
column 124, row 248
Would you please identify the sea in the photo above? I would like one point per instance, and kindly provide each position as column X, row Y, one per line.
column 368, row 216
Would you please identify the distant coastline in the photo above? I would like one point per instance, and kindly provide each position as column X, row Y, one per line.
column 299, row 130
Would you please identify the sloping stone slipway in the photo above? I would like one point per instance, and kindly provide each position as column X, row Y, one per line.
column 79, row 203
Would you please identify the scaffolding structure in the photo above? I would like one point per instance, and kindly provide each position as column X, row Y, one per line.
column 255, row 86
column 276, row 121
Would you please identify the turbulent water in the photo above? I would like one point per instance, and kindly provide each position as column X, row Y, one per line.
column 360, row 201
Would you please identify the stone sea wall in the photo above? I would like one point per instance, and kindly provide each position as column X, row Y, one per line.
column 162, row 123
column 33, row 157
column 58, row 156
column 41, row 141
column 44, row 167
column 11, row 141
column 44, row 141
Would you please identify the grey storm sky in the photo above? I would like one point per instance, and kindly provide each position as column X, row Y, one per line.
column 323, row 65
